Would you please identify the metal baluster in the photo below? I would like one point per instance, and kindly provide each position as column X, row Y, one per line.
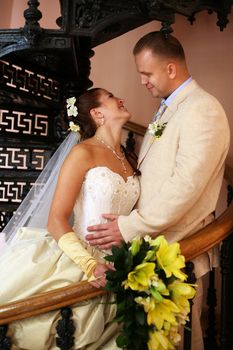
column 211, row 332
column 5, row 342
column 187, row 333
column 65, row 330
column 226, row 336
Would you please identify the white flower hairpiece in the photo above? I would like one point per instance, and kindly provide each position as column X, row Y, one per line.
column 72, row 111
column 74, row 127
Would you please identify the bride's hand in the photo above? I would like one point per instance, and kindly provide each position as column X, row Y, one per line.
column 99, row 274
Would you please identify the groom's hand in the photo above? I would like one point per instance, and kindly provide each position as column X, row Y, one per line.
column 106, row 235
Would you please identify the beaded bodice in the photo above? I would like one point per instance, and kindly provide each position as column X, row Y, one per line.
column 103, row 192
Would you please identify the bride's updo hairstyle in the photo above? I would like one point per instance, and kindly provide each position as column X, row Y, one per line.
column 84, row 103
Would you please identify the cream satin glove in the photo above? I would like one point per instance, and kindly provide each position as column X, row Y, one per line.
column 73, row 248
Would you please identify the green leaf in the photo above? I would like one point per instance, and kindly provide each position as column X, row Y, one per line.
column 109, row 258
column 122, row 341
column 150, row 256
column 141, row 254
column 135, row 246
column 140, row 316
column 119, row 319
column 156, row 295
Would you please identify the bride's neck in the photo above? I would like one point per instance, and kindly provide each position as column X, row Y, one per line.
column 112, row 138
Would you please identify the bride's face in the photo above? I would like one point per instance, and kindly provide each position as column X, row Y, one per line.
column 113, row 107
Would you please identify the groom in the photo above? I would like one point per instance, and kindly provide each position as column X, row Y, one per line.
column 182, row 171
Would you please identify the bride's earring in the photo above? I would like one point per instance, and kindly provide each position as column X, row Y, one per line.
column 98, row 118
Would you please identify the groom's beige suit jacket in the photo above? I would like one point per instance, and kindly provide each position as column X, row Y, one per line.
column 182, row 171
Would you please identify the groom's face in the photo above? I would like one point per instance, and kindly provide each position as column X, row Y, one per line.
column 153, row 72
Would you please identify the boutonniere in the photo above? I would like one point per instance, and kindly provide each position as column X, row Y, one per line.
column 156, row 130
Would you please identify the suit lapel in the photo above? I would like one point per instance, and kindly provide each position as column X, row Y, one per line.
column 144, row 147
column 148, row 139
column 169, row 112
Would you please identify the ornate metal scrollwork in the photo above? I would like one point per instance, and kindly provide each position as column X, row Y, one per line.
column 87, row 13
column 25, row 80
column 211, row 332
column 30, row 131
column 5, row 342
column 189, row 270
column 65, row 330
column 32, row 15
column 226, row 336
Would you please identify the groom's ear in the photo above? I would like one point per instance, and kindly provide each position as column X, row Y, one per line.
column 97, row 116
column 171, row 70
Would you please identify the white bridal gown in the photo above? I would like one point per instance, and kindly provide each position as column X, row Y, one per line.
column 34, row 264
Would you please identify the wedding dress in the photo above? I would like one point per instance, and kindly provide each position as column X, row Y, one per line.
column 33, row 263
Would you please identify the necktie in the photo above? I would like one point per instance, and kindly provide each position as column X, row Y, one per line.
column 160, row 111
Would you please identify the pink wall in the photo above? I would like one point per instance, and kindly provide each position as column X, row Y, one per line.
column 5, row 13
column 12, row 13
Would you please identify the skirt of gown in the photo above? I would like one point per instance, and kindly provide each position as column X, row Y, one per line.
column 35, row 264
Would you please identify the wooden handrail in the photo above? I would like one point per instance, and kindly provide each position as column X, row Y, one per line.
column 135, row 128
column 191, row 247
column 47, row 301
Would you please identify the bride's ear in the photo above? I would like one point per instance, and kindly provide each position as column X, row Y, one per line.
column 97, row 116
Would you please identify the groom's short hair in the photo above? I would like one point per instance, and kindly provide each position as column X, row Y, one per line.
column 159, row 44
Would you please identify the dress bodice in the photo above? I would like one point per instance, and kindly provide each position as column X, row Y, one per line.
column 103, row 192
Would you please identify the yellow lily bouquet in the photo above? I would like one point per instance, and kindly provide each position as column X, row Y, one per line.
column 152, row 297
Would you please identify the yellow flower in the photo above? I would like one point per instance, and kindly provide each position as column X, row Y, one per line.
column 181, row 288
column 174, row 335
column 180, row 293
column 159, row 341
column 170, row 260
column 159, row 285
column 161, row 312
column 140, row 278
column 147, row 303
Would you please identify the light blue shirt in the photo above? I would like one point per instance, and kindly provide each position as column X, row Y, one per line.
column 169, row 99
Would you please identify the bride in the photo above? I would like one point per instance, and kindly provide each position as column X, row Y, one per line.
column 96, row 177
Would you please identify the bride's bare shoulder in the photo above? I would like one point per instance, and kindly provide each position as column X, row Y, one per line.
column 85, row 146
column 83, row 150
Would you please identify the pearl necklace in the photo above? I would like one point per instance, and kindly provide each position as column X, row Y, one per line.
column 120, row 158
